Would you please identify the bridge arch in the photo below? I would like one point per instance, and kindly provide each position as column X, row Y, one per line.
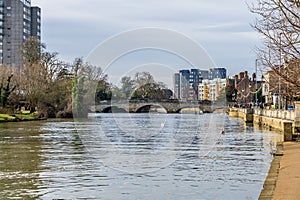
column 151, row 108
column 190, row 109
column 113, row 109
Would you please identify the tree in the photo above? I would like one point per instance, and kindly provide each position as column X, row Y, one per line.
column 32, row 50
column 89, row 85
column 9, row 81
column 5, row 91
column 103, row 91
column 231, row 93
column 127, row 87
column 146, row 87
column 41, row 82
column 278, row 22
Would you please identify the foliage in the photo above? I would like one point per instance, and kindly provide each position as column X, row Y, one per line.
column 231, row 93
column 143, row 86
column 6, row 117
column 59, row 89
column 89, row 85
column 42, row 83
column 5, row 91
column 103, row 91
column 278, row 21
column 127, row 87
column 32, row 51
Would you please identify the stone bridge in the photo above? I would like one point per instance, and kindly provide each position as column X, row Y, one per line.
column 159, row 106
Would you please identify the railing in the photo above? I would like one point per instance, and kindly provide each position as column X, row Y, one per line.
column 280, row 114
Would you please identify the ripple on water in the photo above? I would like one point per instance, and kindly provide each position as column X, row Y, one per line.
column 178, row 159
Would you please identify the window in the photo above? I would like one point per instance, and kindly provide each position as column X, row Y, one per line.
column 27, row 2
column 26, row 31
column 27, row 17
column 27, row 10
column 26, row 24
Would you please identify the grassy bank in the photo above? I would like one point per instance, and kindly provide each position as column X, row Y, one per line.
column 22, row 116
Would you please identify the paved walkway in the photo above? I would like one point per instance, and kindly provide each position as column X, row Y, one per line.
column 288, row 183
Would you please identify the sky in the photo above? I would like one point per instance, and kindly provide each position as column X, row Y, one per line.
column 221, row 28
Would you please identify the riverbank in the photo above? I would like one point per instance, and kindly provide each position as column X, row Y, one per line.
column 288, row 183
column 283, row 180
column 272, row 177
column 18, row 117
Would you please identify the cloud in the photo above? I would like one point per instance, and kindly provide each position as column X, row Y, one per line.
column 73, row 28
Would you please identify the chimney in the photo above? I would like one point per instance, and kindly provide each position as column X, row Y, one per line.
column 241, row 75
column 253, row 77
column 236, row 77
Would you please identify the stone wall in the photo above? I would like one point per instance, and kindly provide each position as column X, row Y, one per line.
column 273, row 119
column 244, row 113
column 280, row 120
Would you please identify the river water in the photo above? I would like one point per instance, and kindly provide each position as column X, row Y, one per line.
column 134, row 156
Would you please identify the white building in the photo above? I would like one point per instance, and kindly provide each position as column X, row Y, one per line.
column 211, row 89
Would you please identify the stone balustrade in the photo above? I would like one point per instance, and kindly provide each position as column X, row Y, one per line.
column 281, row 114
column 285, row 121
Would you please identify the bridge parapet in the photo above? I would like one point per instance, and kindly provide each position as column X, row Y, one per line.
column 134, row 106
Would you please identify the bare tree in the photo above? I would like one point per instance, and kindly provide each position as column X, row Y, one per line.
column 9, row 80
column 278, row 22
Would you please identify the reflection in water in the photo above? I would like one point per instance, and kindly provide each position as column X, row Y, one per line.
column 54, row 159
column 20, row 160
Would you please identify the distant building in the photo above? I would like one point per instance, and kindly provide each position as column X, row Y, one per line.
column 270, row 87
column 245, row 87
column 211, row 89
column 282, row 89
column 186, row 82
column 203, row 74
column 217, row 73
column 176, row 85
column 181, row 84
column 18, row 22
column 194, row 81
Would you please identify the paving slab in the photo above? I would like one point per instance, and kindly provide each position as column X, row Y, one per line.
column 288, row 182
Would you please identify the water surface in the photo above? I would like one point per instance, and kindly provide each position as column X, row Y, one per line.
column 136, row 156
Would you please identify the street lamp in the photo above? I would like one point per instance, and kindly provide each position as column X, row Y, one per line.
column 256, row 61
column 243, row 95
column 280, row 63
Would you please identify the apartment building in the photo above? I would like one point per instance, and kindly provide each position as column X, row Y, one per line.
column 18, row 22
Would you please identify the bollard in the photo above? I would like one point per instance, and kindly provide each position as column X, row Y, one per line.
column 288, row 131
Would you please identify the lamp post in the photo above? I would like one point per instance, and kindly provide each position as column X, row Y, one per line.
column 256, row 61
column 243, row 96
column 280, row 63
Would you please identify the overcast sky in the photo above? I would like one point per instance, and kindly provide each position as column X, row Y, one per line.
column 222, row 28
